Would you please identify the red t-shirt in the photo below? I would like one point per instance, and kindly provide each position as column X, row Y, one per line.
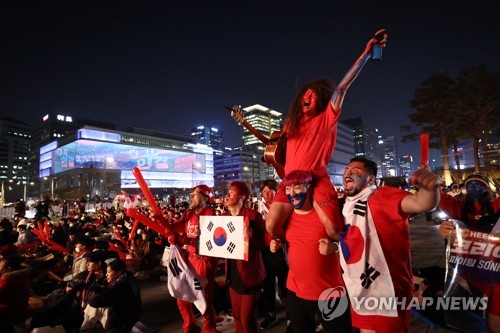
column 394, row 235
column 454, row 208
column 310, row 272
column 312, row 148
column 187, row 224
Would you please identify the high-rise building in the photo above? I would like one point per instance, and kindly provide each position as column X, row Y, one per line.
column 267, row 122
column 365, row 140
column 406, row 165
column 344, row 151
column 209, row 136
column 235, row 164
column 14, row 153
column 390, row 162
column 264, row 120
column 490, row 151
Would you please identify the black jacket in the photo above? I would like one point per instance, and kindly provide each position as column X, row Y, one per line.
column 123, row 297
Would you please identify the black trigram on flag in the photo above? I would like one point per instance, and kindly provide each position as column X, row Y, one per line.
column 197, row 284
column 209, row 245
column 210, row 226
column 174, row 267
column 360, row 208
column 368, row 276
column 231, row 247
column 231, row 227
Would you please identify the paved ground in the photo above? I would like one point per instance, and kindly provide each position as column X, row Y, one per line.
column 160, row 311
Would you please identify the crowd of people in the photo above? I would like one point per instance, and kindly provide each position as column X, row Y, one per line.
column 306, row 242
column 301, row 259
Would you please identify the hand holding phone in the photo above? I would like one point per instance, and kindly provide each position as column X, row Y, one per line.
column 376, row 52
column 380, row 36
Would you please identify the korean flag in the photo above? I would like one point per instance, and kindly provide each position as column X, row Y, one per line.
column 222, row 237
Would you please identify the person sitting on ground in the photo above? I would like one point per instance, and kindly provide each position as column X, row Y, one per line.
column 147, row 251
column 25, row 236
column 95, row 277
column 14, row 288
column 83, row 247
column 121, row 295
column 6, row 228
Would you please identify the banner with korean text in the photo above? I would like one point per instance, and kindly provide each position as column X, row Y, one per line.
column 475, row 254
column 472, row 274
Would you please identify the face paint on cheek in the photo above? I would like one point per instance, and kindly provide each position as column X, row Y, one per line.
column 299, row 196
column 476, row 194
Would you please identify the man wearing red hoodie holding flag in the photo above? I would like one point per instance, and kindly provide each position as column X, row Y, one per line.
column 186, row 232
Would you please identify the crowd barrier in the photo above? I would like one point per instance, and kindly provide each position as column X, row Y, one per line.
column 56, row 210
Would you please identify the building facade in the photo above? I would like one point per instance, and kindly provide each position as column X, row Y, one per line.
column 236, row 164
column 344, row 151
column 14, row 158
column 54, row 127
column 390, row 161
column 406, row 165
column 209, row 136
column 365, row 138
column 95, row 163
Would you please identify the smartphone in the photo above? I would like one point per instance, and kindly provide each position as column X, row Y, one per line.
column 376, row 52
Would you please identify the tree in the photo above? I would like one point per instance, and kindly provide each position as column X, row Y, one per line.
column 434, row 114
column 477, row 98
column 454, row 110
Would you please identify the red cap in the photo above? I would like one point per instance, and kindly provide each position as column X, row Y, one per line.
column 207, row 191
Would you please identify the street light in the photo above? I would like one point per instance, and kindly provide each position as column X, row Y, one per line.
column 52, row 186
column 3, row 191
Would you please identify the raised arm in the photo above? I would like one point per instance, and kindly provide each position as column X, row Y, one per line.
column 337, row 99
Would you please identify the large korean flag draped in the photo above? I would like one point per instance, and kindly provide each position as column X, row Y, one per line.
column 222, row 237
column 183, row 281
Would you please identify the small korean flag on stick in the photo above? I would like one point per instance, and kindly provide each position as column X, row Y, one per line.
column 222, row 237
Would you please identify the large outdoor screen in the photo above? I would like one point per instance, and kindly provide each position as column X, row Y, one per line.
column 105, row 155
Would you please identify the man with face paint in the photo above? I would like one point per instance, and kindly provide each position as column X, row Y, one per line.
column 187, row 232
column 479, row 211
column 375, row 245
column 313, row 260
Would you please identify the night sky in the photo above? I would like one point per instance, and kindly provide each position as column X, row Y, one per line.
column 173, row 65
